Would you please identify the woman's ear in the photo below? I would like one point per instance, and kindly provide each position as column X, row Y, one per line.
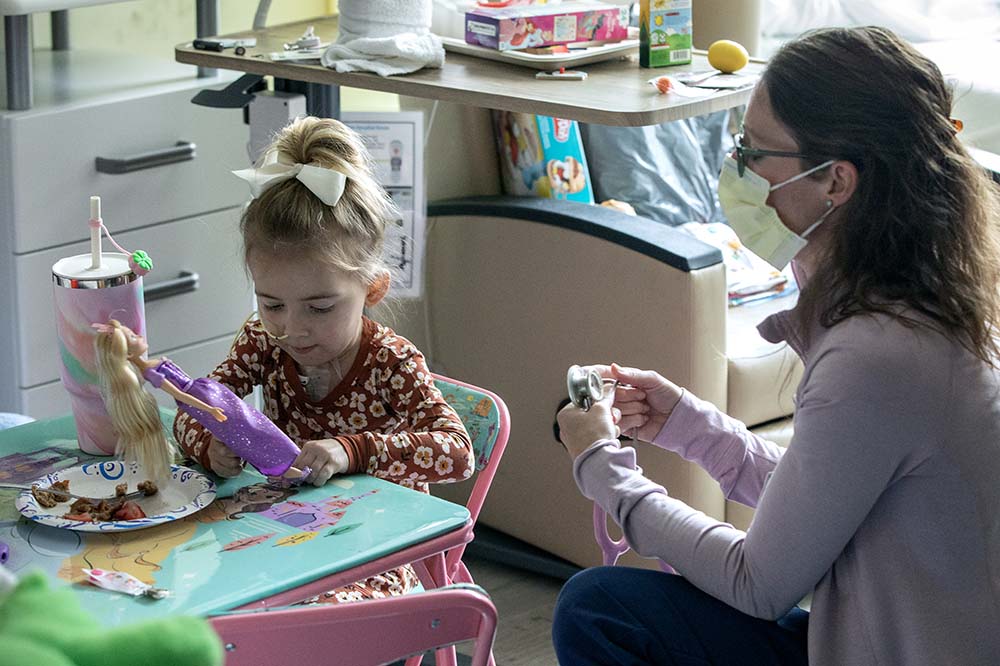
column 378, row 289
column 844, row 182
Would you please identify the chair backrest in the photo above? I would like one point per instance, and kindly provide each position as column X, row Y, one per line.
column 488, row 422
column 366, row 633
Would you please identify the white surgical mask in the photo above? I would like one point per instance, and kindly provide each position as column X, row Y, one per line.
column 757, row 225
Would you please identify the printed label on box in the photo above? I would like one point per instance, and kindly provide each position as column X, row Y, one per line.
column 664, row 32
column 564, row 29
column 541, row 156
column 477, row 28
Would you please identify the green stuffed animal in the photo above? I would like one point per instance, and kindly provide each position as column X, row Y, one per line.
column 43, row 625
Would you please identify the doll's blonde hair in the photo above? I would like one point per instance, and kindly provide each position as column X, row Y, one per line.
column 289, row 218
column 133, row 411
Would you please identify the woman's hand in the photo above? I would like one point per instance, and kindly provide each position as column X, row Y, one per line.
column 645, row 402
column 217, row 412
column 326, row 457
column 579, row 429
column 223, row 461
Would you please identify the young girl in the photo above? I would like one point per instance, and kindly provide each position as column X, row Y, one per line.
column 351, row 393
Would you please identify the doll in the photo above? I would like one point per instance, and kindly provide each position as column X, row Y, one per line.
column 246, row 431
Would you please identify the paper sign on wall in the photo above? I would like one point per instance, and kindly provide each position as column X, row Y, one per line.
column 396, row 144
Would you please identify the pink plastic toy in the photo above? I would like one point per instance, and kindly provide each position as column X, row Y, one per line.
column 365, row 633
column 373, row 632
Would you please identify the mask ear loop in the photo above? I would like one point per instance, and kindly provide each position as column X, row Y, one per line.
column 822, row 218
column 802, row 175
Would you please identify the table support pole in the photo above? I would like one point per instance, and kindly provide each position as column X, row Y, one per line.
column 60, row 30
column 207, row 25
column 322, row 100
column 17, row 45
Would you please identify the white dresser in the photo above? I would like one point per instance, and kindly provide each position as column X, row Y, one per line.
column 184, row 212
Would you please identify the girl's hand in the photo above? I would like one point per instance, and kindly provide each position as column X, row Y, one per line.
column 579, row 429
column 223, row 461
column 219, row 415
column 647, row 401
column 326, row 457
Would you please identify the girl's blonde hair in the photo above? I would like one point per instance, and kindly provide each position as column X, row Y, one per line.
column 133, row 411
column 287, row 217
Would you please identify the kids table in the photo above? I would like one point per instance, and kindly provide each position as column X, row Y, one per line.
column 252, row 548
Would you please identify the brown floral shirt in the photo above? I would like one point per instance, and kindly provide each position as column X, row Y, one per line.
column 386, row 412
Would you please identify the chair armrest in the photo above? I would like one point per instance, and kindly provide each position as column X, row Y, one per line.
column 518, row 289
column 645, row 236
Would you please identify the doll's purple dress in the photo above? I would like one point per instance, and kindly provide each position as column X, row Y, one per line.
column 246, row 432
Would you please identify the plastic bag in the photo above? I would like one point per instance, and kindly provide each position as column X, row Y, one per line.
column 668, row 172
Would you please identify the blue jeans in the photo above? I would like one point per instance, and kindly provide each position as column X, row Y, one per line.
column 620, row 616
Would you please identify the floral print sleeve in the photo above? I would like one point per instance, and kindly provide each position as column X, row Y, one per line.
column 429, row 443
column 240, row 372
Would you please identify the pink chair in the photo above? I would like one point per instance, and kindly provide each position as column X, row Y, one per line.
column 488, row 422
column 365, row 633
column 450, row 609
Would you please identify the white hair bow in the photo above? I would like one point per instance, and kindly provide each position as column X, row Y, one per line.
column 327, row 184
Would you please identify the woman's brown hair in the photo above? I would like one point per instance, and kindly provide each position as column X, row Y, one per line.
column 921, row 229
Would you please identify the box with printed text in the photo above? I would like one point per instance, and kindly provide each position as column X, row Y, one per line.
column 535, row 26
column 542, row 156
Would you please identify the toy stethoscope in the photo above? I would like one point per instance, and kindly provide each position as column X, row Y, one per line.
column 585, row 386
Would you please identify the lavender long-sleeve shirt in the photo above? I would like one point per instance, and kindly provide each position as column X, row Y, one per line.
column 886, row 505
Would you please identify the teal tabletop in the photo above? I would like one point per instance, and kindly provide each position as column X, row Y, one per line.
column 252, row 542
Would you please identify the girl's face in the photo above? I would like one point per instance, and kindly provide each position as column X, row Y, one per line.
column 317, row 306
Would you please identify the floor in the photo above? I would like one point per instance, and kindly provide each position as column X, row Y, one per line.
column 523, row 583
column 524, row 602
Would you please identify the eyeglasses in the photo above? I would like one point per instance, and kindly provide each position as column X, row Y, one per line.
column 744, row 153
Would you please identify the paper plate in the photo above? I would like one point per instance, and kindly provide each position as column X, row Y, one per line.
column 187, row 491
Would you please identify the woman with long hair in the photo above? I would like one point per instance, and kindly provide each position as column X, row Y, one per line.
column 885, row 506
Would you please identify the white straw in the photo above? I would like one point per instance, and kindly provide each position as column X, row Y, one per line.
column 95, row 233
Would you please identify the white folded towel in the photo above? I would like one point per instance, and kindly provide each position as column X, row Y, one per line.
column 384, row 36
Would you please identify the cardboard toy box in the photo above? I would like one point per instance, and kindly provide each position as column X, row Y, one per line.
column 535, row 26
column 664, row 32
column 542, row 156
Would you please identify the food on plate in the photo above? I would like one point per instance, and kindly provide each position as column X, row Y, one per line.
column 147, row 487
column 95, row 510
column 86, row 511
column 46, row 497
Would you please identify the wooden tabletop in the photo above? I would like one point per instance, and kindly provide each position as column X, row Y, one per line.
column 616, row 92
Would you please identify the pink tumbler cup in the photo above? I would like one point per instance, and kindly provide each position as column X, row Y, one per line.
column 83, row 296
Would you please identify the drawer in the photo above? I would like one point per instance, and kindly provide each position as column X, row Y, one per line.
column 208, row 245
column 198, row 360
column 54, row 175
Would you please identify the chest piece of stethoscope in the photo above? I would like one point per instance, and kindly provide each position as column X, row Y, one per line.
column 585, row 386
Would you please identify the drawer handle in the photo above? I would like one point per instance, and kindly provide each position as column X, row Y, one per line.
column 186, row 281
column 182, row 151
